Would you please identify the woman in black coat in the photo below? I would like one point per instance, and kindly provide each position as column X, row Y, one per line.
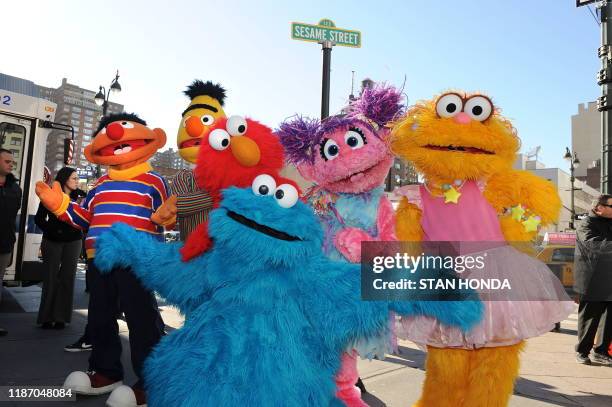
column 61, row 247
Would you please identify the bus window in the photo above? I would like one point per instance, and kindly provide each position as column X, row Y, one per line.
column 12, row 138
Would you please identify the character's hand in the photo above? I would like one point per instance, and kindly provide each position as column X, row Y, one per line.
column 114, row 246
column 197, row 243
column 348, row 242
column 385, row 221
column 461, row 314
column 166, row 214
column 51, row 198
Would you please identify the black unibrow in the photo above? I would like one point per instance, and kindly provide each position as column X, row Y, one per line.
column 200, row 106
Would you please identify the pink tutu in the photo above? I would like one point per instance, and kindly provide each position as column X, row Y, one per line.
column 535, row 302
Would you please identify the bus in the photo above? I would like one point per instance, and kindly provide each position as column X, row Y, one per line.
column 25, row 124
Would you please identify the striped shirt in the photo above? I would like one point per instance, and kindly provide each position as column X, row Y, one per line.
column 130, row 196
column 192, row 204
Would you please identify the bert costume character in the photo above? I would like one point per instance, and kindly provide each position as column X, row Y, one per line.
column 205, row 108
column 130, row 193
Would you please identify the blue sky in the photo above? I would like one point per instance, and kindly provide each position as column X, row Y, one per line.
column 536, row 59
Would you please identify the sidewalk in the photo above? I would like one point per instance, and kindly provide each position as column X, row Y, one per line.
column 549, row 374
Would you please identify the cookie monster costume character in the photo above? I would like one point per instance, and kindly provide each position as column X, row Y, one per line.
column 130, row 193
column 265, row 328
column 465, row 150
column 348, row 159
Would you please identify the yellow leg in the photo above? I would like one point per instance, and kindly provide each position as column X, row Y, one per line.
column 446, row 378
column 492, row 375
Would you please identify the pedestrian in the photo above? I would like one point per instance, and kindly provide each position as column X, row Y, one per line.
column 593, row 282
column 61, row 246
column 10, row 202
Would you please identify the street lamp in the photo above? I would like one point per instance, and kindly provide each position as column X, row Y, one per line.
column 102, row 96
column 574, row 163
column 101, row 99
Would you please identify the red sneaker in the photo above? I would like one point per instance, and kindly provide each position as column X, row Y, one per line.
column 90, row 383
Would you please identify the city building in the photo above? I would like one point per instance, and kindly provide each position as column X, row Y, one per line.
column 401, row 173
column 586, row 137
column 75, row 107
column 169, row 159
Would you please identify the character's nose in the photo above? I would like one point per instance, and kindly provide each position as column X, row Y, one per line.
column 114, row 131
column 463, row 118
column 194, row 126
column 245, row 150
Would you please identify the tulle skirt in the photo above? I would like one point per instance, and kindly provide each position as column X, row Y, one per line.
column 531, row 307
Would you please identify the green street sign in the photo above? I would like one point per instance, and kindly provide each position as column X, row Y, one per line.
column 325, row 31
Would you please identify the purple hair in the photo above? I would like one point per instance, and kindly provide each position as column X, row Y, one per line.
column 298, row 136
column 380, row 103
column 301, row 136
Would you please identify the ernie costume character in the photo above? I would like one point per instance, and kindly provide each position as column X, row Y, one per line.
column 130, row 193
column 193, row 203
column 348, row 158
column 471, row 194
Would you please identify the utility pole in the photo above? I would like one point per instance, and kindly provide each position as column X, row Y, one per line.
column 604, row 103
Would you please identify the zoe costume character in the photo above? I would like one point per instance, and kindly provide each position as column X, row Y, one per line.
column 129, row 193
column 465, row 150
column 193, row 203
column 263, row 330
column 348, row 159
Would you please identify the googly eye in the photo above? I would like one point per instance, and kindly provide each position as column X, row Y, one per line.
column 354, row 138
column 329, row 149
column 286, row 195
column 127, row 125
column 263, row 185
column 207, row 120
column 478, row 108
column 219, row 139
column 449, row 105
column 236, row 126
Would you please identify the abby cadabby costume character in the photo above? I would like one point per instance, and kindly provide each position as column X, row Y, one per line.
column 348, row 158
column 472, row 196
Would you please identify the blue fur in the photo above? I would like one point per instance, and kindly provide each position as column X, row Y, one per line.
column 267, row 319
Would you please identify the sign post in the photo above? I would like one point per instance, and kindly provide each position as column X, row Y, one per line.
column 327, row 34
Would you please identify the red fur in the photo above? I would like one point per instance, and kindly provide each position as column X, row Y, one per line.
column 216, row 170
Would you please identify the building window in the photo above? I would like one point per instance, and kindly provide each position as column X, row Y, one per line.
column 76, row 116
column 87, row 125
column 88, row 112
column 15, row 142
column 76, row 109
column 88, row 119
column 66, row 108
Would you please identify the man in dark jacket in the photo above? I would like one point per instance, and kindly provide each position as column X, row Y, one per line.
column 593, row 282
column 10, row 201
